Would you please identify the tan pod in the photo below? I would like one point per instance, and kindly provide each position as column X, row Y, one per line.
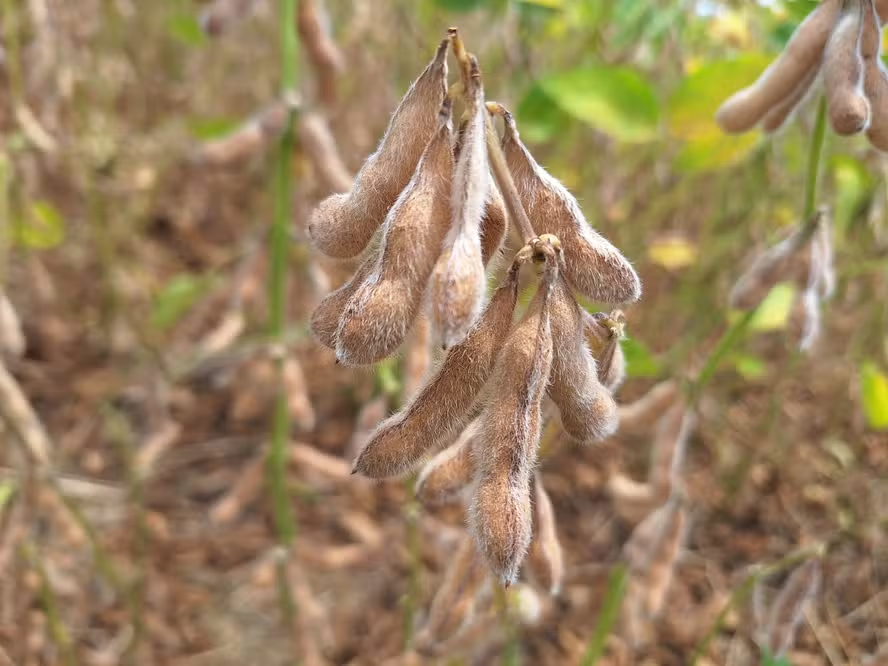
column 342, row 225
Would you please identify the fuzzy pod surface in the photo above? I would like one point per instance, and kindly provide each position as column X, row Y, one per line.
column 588, row 410
column 442, row 405
column 500, row 515
column 745, row 108
column 382, row 309
column 342, row 225
column 592, row 265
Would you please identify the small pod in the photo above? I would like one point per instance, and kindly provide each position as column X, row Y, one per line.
column 454, row 602
column 457, row 287
column 500, row 515
column 745, row 108
column 342, row 225
column 603, row 332
column 383, row 308
column 588, row 410
column 651, row 554
column 592, row 265
column 668, row 450
column 447, row 474
column 441, row 407
column 875, row 78
column 545, row 557
column 843, row 73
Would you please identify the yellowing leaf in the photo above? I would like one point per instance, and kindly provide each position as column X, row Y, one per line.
column 673, row 252
column 615, row 100
column 42, row 228
column 715, row 152
column 731, row 29
column 690, row 113
column 773, row 313
column 854, row 185
column 874, row 393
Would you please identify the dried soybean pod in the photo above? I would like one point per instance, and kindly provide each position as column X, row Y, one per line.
column 588, row 410
column 500, row 516
column 668, row 450
column 326, row 316
column 493, row 221
column 778, row 115
column 449, row 472
column 342, row 225
column 454, row 601
column 603, row 332
column 745, row 108
column 651, row 553
column 403, row 439
column 458, row 284
column 849, row 110
column 592, row 265
column 875, row 81
column 787, row 610
column 382, row 310
column 545, row 557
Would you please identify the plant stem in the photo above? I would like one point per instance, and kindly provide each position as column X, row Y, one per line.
column 279, row 239
column 814, row 157
column 277, row 288
column 731, row 337
column 60, row 634
column 504, row 181
column 616, row 588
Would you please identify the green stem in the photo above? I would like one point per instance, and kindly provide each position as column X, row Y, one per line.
column 737, row 330
column 277, row 288
column 57, row 629
column 814, row 157
column 282, row 508
column 616, row 588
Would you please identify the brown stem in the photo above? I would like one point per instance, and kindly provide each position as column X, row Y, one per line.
column 506, row 184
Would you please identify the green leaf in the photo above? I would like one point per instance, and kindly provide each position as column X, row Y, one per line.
column 874, row 393
column 207, row 129
column 7, row 490
column 690, row 113
column 854, row 186
column 615, row 100
column 539, row 118
column 610, row 610
column 770, row 660
column 640, row 362
column 773, row 312
column 175, row 299
column 749, row 367
column 460, row 5
column 43, row 227
column 185, row 28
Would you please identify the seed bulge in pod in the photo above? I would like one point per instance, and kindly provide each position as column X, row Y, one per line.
column 500, row 516
column 588, row 410
column 382, row 310
column 843, row 72
column 745, row 108
column 442, row 405
column 592, row 265
column 342, row 225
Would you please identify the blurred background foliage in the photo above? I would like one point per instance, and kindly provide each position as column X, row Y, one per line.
column 116, row 244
